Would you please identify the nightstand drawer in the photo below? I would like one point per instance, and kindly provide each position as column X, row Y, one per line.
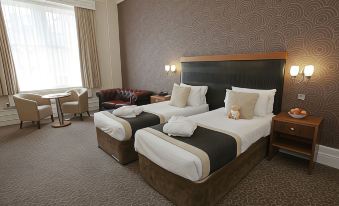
column 294, row 129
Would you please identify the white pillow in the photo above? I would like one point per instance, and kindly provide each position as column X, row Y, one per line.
column 197, row 95
column 271, row 102
column 179, row 96
column 265, row 101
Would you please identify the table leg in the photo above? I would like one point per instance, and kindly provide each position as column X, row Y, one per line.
column 61, row 122
column 58, row 106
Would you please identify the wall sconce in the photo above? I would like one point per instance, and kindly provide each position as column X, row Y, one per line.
column 294, row 71
column 173, row 68
column 170, row 68
column 167, row 68
column 306, row 73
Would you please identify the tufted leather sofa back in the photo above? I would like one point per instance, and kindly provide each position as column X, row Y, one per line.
column 133, row 96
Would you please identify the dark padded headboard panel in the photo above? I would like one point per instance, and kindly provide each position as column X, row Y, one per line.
column 257, row 71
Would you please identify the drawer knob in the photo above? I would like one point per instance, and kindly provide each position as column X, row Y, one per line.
column 292, row 129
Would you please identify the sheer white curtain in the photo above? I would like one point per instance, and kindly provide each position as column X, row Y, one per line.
column 44, row 44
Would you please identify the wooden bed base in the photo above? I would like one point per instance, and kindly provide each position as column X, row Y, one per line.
column 208, row 191
column 122, row 151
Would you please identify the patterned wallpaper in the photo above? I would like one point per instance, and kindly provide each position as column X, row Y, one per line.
column 154, row 33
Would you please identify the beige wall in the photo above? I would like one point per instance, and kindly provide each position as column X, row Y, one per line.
column 107, row 31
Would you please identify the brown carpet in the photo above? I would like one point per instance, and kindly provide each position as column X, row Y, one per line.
column 65, row 167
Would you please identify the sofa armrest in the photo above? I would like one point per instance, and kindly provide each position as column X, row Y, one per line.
column 73, row 97
column 83, row 101
column 27, row 109
column 106, row 95
column 38, row 99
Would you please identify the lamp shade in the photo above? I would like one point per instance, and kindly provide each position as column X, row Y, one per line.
column 294, row 71
column 173, row 68
column 167, row 68
column 308, row 71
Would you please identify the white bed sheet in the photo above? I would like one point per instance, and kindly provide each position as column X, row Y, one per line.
column 186, row 164
column 117, row 131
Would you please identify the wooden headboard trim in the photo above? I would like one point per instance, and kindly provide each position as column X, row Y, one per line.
column 235, row 57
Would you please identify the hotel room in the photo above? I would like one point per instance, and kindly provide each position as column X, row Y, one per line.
column 169, row 102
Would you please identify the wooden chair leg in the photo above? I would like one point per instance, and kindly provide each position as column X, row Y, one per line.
column 20, row 124
column 52, row 118
column 88, row 113
column 82, row 119
column 38, row 124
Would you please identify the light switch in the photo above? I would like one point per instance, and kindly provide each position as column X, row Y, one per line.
column 301, row 96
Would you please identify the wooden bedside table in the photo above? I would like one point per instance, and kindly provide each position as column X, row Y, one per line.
column 157, row 98
column 295, row 135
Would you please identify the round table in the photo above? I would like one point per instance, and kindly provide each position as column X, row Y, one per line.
column 62, row 122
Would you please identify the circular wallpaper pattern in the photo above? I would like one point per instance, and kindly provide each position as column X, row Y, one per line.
column 154, row 33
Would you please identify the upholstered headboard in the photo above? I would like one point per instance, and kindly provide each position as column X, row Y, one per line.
column 221, row 72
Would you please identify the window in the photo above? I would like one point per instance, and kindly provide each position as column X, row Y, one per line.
column 43, row 39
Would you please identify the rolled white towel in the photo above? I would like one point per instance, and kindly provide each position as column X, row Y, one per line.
column 138, row 110
column 128, row 111
column 180, row 126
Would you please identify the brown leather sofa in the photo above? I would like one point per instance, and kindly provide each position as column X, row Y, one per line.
column 115, row 98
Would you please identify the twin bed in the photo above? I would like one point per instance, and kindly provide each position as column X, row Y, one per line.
column 187, row 165
column 201, row 172
column 112, row 135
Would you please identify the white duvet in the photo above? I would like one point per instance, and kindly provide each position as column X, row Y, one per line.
column 117, row 131
column 187, row 165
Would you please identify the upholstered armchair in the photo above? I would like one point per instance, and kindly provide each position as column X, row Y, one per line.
column 32, row 107
column 75, row 104
column 115, row 98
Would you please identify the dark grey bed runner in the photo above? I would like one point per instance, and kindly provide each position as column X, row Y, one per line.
column 143, row 120
column 220, row 147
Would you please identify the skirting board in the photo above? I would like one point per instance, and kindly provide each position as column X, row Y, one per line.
column 10, row 116
column 326, row 156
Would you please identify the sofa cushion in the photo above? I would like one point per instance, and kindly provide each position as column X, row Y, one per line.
column 45, row 111
column 70, row 107
column 113, row 104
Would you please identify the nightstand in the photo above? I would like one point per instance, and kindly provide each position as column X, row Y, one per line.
column 300, row 136
column 157, row 98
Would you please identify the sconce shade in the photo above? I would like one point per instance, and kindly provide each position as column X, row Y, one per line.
column 308, row 71
column 167, row 68
column 173, row 68
column 294, row 71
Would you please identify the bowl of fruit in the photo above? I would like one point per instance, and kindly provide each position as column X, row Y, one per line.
column 298, row 113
